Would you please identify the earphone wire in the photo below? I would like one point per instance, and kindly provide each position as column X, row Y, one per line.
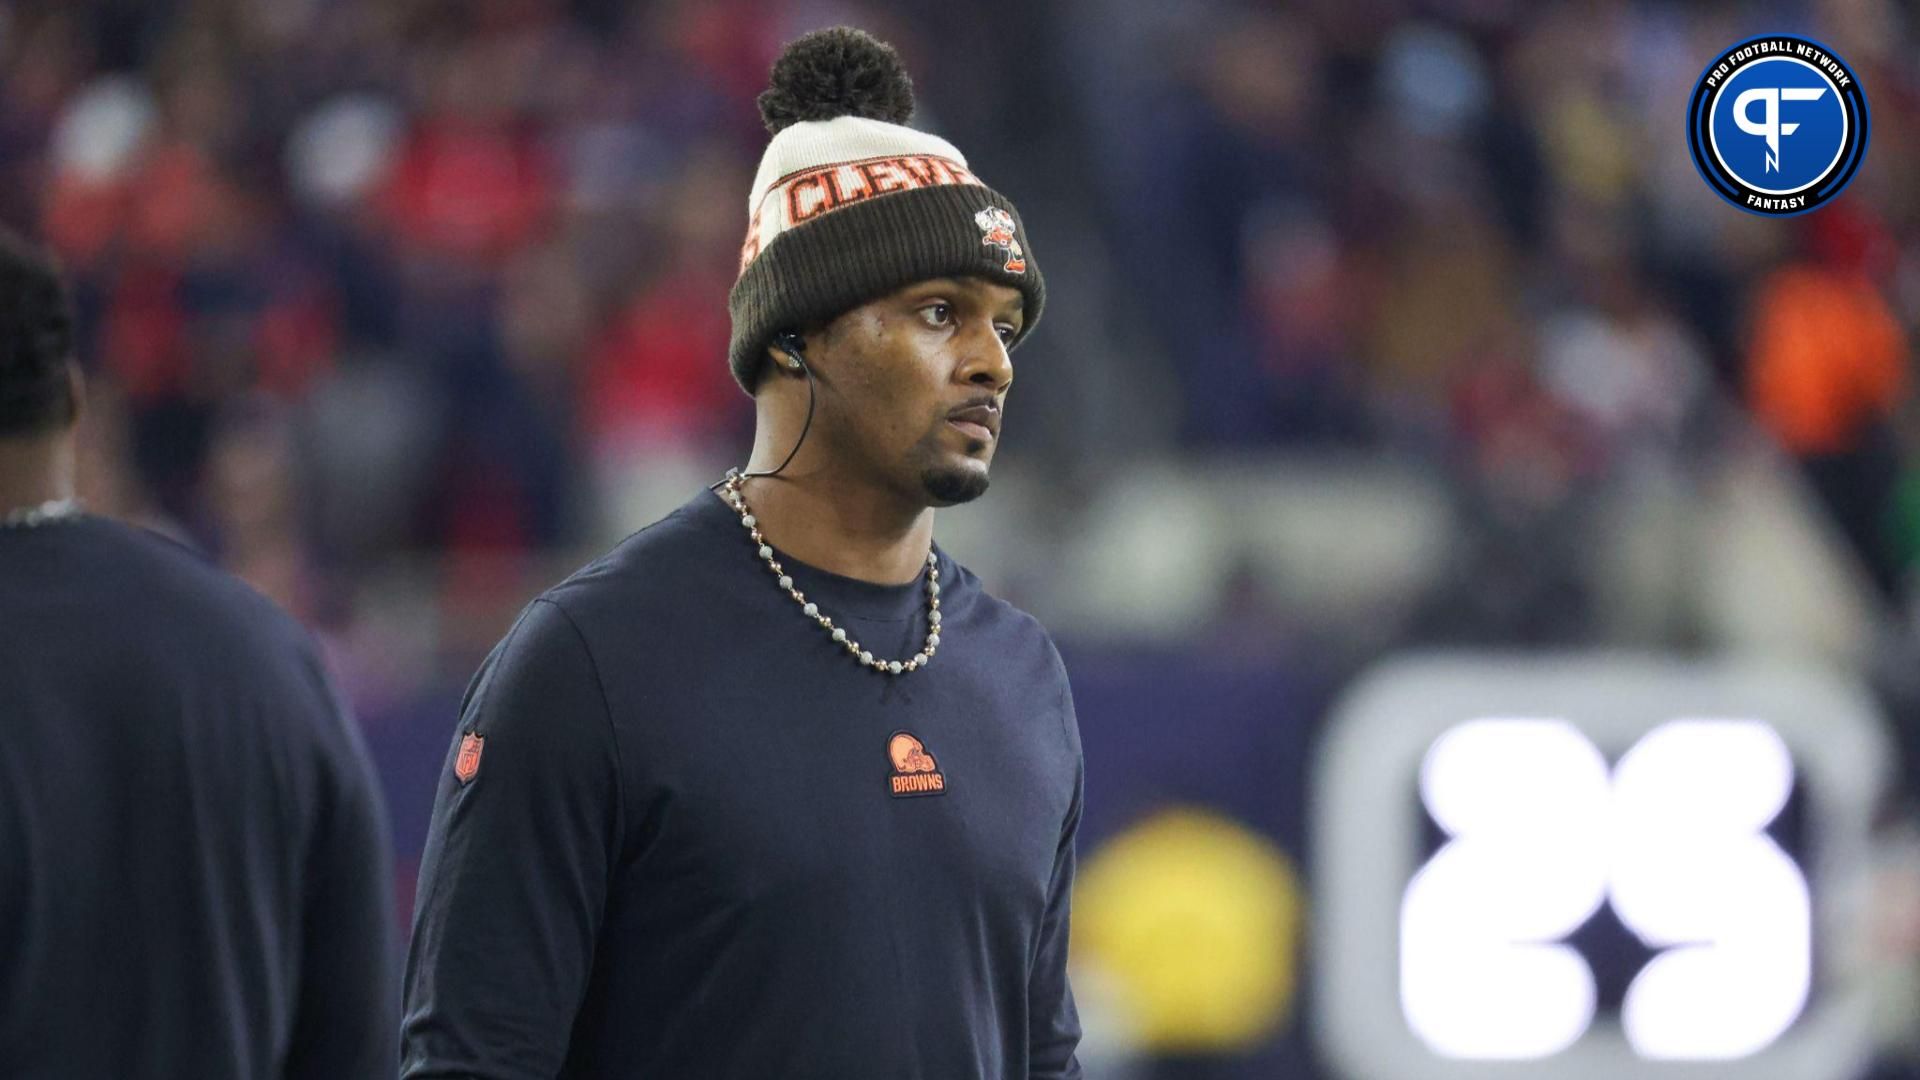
column 735, row 470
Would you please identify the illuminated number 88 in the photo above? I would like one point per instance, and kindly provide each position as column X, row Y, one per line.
column 1540, row 835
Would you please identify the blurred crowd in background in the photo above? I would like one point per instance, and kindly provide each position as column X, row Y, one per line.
column 403, row 308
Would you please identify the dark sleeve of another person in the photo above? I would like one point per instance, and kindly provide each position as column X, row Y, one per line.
column 1053, row 1021
column 345, row 1024
column 514, row 879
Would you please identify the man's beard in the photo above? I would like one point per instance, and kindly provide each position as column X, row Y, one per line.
column 947, row 487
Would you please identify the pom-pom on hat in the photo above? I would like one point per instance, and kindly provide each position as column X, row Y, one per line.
column 850, row 204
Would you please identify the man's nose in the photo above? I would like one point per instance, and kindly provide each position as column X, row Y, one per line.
column 987, row 363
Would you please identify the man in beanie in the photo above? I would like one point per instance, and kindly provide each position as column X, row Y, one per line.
column 195, row 878
column 774, row 788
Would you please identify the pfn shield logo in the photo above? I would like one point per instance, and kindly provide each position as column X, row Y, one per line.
column 1777, row 125
column 467, row 765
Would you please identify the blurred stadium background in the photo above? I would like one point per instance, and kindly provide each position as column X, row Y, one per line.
column 1377, row 327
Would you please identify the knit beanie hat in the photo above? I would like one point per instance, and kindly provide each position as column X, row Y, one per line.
column 850, row 204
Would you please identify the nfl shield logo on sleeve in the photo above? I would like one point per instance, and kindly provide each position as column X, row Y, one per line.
column 467, row 765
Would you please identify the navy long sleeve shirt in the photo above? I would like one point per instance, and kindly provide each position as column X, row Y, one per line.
column 682, row 833
column 195, row 878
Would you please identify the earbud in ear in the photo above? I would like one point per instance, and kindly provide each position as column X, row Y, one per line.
column 790, row 343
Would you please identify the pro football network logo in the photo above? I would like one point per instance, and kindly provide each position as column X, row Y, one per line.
column 1777, row 125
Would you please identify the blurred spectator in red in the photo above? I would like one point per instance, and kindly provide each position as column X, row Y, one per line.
column 651, row 376
column 472, row 182
column 1827, row 370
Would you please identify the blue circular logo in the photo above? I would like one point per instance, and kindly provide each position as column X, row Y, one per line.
column 1777, row 125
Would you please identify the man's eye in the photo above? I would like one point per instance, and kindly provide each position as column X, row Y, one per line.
column 1006, row 334
column 938, row 314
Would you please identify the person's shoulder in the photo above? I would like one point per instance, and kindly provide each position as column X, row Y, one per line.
column 654, row 573
column 1023, row 650
column 200, row 625
column 1016, row 630
column 195, row 594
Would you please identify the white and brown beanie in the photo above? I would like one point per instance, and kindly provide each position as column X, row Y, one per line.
column 851, row 204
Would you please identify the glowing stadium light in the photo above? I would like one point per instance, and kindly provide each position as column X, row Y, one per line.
column 1695, row 873
column 1525, row 802
column 1540, row 837
column 1456, row 952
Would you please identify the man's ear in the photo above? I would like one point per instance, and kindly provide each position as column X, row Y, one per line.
column 788, row 351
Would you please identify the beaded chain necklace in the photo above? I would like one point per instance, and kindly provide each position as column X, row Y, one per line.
column 812, row 610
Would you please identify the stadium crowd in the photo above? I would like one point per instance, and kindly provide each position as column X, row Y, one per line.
column 387, row 303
